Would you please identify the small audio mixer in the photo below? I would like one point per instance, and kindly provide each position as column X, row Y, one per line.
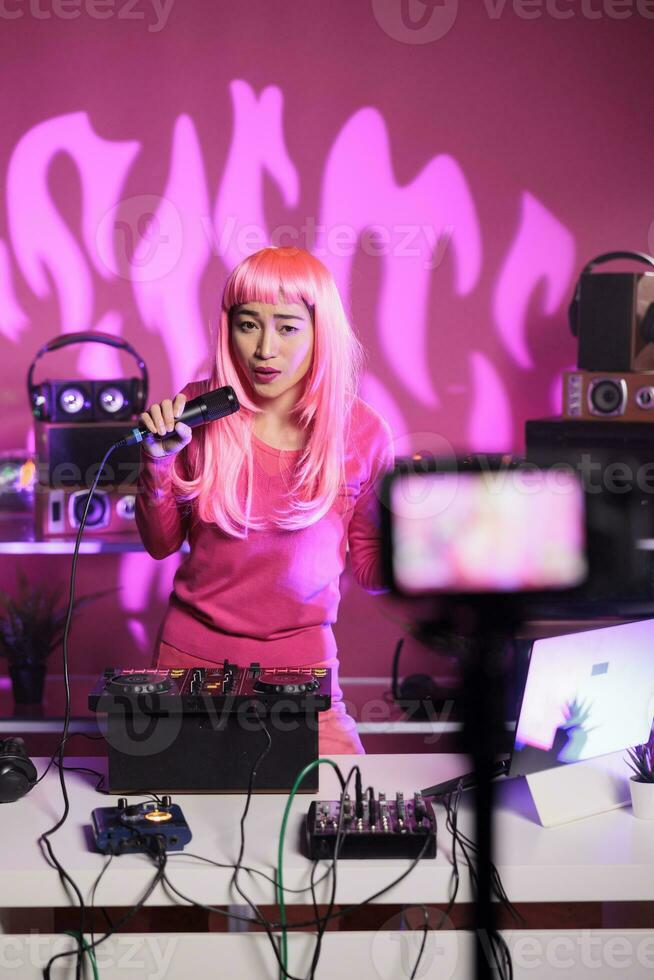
column 139, row 828
column 372, row 827
column 201, row 729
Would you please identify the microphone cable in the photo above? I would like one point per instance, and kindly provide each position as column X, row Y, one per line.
column 205, row 408
column 44, row 839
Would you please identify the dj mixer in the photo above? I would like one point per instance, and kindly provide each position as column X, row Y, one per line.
column 201, row 729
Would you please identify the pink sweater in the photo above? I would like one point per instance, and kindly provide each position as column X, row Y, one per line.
column 274, row 596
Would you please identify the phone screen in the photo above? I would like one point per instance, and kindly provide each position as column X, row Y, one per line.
column 509, row 530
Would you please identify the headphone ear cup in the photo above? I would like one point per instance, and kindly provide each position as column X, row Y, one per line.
column 139, row 396
column 17, row 771
column 647, row 324
column 573, row 313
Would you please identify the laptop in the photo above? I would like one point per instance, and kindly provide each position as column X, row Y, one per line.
column 587, row 697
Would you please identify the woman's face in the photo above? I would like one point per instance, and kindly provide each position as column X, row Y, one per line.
column 273, row 346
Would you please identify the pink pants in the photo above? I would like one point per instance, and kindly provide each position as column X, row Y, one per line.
column 337, row 732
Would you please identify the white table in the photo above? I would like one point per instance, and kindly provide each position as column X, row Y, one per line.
column 609, row 857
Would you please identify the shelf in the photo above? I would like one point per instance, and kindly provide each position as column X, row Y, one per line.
column 17, row 537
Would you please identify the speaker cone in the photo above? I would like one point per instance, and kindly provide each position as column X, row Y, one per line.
column 607, row 396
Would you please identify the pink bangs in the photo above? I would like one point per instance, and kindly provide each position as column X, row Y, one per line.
column 273, row 275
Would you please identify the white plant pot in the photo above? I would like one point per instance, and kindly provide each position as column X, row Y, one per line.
column 642, row 799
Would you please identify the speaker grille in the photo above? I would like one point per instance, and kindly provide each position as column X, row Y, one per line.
column 69, row 455
column 221, row 402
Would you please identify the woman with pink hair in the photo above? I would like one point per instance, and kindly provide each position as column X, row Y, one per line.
column 271, row 497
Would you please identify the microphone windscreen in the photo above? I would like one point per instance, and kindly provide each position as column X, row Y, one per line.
column 220, row 402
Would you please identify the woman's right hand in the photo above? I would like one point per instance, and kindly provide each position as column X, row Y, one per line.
column 160, row 419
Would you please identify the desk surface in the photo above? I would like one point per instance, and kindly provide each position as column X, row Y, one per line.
column 609, row 856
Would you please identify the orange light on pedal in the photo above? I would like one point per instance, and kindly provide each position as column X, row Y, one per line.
column 158, row 816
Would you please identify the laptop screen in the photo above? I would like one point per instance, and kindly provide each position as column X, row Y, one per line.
column 586, row 694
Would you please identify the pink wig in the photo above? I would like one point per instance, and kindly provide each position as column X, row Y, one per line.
column 222, row 481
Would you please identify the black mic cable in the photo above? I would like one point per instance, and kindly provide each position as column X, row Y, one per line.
column 43, row 839
column 205, row 408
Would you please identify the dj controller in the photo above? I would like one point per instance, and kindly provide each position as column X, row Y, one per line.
column 201, row 729
column 226, row 685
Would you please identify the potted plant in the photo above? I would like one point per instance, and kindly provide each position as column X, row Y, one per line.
column 640, row 759
column 31, row 627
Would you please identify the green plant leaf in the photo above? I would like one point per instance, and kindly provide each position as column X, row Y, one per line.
column 640, row 759
column 33, row 624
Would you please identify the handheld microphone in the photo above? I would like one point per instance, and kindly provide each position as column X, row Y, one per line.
column 212, row 405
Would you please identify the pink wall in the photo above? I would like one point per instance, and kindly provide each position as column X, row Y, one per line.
column 491, row 150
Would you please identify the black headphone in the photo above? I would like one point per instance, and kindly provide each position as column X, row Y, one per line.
column 41, row 395
column 647, row 324
column 418, row 694
column 17, row 771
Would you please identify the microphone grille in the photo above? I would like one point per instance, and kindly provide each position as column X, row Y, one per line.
column 220, row 402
